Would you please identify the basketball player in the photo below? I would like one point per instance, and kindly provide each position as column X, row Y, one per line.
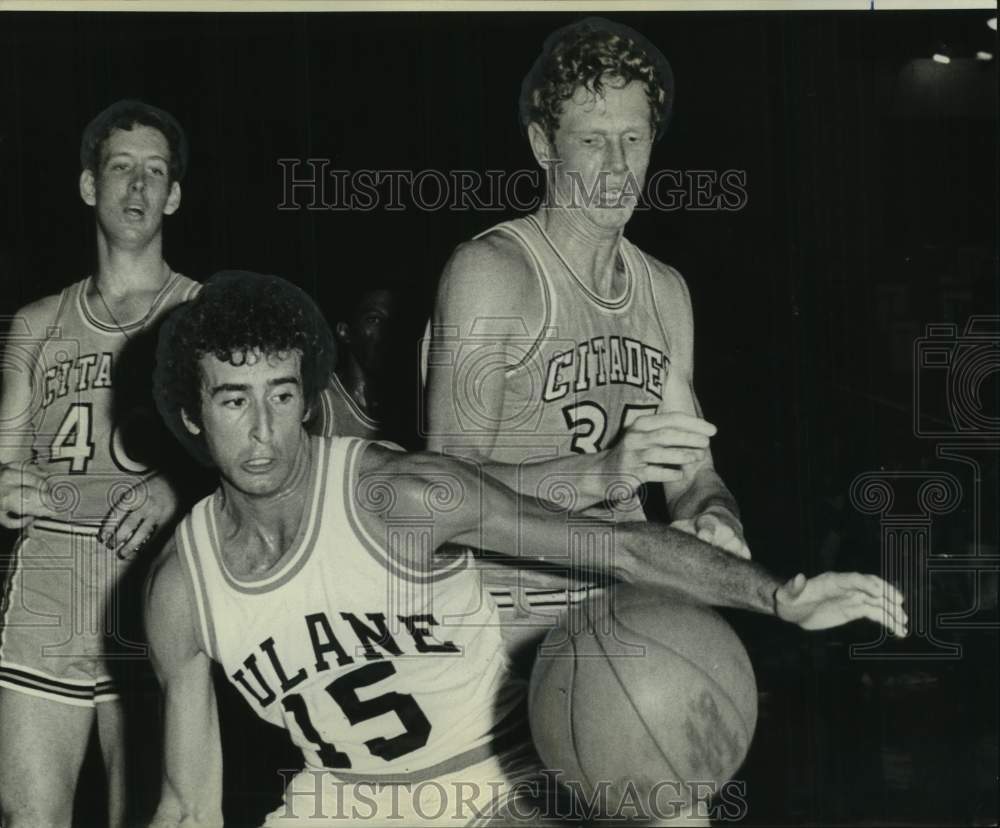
column 76, row 474
column 559, row 346
column 353, row 403
column 311, row 576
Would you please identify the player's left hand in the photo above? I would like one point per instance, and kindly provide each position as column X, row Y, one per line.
column 836, row 598
column 138, row 514
column 718, row 528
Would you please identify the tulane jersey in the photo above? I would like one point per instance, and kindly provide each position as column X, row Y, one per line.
column 95, row 428
column 373, row 666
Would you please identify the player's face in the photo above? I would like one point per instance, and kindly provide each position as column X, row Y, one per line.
column 372, row 330
column 132, row 190
column 252, row 418
column 603, row 144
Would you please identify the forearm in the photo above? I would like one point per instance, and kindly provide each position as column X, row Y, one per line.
column 654, row 555
column 191, row 797
column 705, row 492
column 575, row 481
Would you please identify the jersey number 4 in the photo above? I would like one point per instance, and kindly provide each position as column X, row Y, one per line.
column 74, row 443
column 344, row 692
column 589, row 423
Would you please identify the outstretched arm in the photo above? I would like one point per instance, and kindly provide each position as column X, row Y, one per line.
column 191, row 792
column 491, row 516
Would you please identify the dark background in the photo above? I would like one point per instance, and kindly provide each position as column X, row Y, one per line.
column 871, row 212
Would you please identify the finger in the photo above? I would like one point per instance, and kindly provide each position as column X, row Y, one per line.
column 886, row 589
column 722, row 530
column 109, row 526
column 731, row 544
column 128, row 530
column 795, row 586
column 139, row 538
column 674, row 419
column 871, row 585
column 676, row 438
column 29, row 500
column 660, row 474
column 686, row 525
column 21, row 475
column 880, row 615
column 671, row 455
column 899, row 617
column 9, row 520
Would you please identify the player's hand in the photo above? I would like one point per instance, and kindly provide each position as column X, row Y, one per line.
column 138, row 515
column 719, row 528
column 655, row 448
column 23, row 496
column 836, row 598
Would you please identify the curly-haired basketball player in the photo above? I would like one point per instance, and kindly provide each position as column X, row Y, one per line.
column 311, row 575
column 562, row 349
column 79, row 470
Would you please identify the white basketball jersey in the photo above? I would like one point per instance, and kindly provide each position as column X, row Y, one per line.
column 373, row 666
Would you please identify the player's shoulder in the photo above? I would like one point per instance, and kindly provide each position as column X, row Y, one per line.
column 35, row 317
column 670, row 291
column 170, row 609
column 166, row 584
column 490, row 268
column 185, row 288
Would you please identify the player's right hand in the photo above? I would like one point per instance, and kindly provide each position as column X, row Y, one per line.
column 655, row 448
column 23, row 495
column 834, row 598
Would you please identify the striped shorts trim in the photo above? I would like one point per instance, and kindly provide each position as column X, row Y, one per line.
column 78, row 693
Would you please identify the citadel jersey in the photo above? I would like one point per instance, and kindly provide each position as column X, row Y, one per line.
column 597, row 364
column 95, row 428
column 372, row 666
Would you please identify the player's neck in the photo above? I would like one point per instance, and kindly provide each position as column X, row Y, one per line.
column 259, row 531
column 590, row 250
column 121, row 271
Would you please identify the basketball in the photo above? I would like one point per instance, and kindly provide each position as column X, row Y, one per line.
column 646, row 695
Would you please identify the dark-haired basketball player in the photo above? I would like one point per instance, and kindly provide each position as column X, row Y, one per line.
column 77, row 471
column 560, row 347
column 311, row 576
column 353, row 404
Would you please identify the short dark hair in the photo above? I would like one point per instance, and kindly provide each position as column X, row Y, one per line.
column 589, row 53
column 235, row 313
column 127, row 114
